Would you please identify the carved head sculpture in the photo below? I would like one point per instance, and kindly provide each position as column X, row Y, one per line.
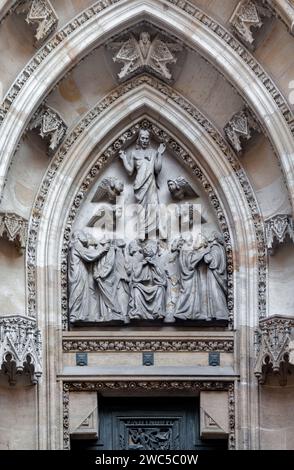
column 216, row 237
column 145, row 37
column 177, row 244
column 201, row 242
column 134, row 247
column 150, row 249
column 143, row 140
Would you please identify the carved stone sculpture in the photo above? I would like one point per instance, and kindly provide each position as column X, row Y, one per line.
column 146, row 163
column 40, row 13
column 180, row 189
column 109, row 189
column 52, row 126
column 110, row 281
column 239, row 128
column 20, row 348
column 276, row 230
column 82, row 299
column 148, row 286
column 273, row 340
column 145, row 54
column 244, row 18
column 15, row 228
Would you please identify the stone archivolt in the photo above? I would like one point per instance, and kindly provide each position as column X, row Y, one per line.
column 20, row 348
column 273, row 341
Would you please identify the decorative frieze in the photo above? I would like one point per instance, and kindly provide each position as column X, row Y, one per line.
column 15, row 228
column 239, row 129
column 20, row 348
column 135, row 345
column 52, row 127
column 41, row 15
column 277, row 229
column 145, row 54
column 273, row 347
column 247, row 16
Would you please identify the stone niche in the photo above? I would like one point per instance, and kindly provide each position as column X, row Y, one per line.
column 146, row 246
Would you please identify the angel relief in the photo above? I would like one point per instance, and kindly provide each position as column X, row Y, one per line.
column 150, row 274
column 137, row 55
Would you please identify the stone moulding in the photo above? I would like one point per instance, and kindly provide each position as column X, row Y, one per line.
column 124, row 387
column 283, row 9
column 15, row 228
column 51, row 125
column 40, row 13
column 277, row 229
column 189, row 9
column 81, row 128
column 272, row 347
column 20, row 348
column 137, row 345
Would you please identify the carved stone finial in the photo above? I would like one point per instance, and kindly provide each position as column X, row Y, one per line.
column 273, row 340
column 276, row 230
column 15, row 228
column 145, row 54
column 41, row 14
column 51, row 126
column 20, row 348
column 247, row 15
column 180, row 188
column 109, row 189
column 239, row 128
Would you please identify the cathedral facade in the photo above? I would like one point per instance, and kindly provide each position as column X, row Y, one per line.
column 146, row 224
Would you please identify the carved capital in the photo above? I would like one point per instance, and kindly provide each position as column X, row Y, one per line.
column 240, row 128
column 15, row 228
column 276, row 230
column 41, row 15
column 247, row 15
column 272, row 346
column 20, row 348
column 52, row 127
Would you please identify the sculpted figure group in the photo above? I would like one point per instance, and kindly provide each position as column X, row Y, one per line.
column 110, row 280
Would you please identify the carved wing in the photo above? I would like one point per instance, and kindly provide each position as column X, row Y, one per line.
column 159, row 56
column 129, row 55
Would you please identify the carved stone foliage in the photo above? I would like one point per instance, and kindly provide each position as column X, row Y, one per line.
column 145, row 54
column 148, row 386
column 135, row 345
column 273, row 341
column 109, row 189
column 41, row 15
column 277, row 229
column 20, row 348
column 15, row 228
column 247, row 15
column 51, row 125
column 239, row 129
column 109, row 153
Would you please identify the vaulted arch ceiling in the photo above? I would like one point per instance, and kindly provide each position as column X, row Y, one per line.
column 96, row 24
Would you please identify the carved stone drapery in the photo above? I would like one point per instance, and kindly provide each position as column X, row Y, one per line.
column 15, row 228
column 40, row 13
column 240, row 128
column 51, row 126
column 145, row 54
column 247, row 15
column 272, row 344
column 20, row 348
column 276, row 230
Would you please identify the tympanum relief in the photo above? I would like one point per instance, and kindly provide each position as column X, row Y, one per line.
column 146, row 246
